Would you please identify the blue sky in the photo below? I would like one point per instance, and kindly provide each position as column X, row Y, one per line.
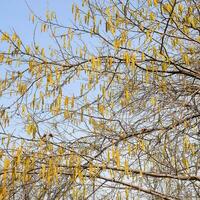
column 14, row 14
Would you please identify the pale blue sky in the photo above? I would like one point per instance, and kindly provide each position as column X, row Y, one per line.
column 14, row 14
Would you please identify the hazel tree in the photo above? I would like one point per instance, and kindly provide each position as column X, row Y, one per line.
column 109, row 110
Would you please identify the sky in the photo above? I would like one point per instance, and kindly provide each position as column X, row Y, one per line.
column 14, row 14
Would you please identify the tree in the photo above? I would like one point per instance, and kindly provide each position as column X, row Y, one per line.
column 109, row 110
